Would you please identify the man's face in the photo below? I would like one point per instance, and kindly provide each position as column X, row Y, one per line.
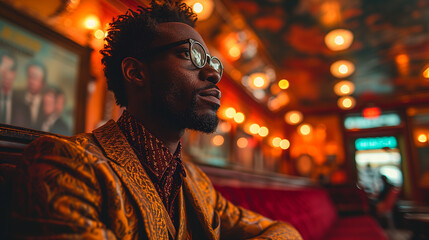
column 35, row 79
column 49, row 103
column 7, row 74
column 181, row 92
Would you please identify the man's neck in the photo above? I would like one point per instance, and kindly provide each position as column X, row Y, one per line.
column 161, row 129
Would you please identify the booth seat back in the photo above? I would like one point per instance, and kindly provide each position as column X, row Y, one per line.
column 309, row 210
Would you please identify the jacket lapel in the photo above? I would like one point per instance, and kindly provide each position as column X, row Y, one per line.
column 129, row 169
column 195, row 197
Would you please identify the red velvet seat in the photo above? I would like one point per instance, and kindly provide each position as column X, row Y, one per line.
column 310, row 210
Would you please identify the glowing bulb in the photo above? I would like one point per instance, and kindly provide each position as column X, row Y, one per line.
column 203, row 9
column 284, row 144
column 422, row 138
column 235, row 52
column 342, row 68
column 92, row 22
column 344, row 88
column 339, row 39
column 346, row 102
column 263, row 131
column 239, row 117
column 305, row 129
column 242, row 142
column 218, row 140
column 276, row 142
column 254, row 128
column 293, row 117
column 99, row 34
column 259, row 82
column 198, row 7
column 230, row 112
column 284, row 84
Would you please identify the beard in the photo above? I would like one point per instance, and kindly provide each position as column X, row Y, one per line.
column 164, row 102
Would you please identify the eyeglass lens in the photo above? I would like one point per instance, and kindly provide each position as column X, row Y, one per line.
column 199, row 57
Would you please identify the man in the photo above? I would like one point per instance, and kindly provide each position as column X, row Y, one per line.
column 11, row 111
column 30, row 99
column 7, row 77
column 127, row 180
column 53, row 105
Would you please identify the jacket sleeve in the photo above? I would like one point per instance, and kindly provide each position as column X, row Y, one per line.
column 57, row 195
column 239, row 223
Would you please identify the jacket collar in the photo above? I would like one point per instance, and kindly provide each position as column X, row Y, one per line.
column 128, row 168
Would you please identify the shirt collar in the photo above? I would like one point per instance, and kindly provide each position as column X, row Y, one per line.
column 150, row 150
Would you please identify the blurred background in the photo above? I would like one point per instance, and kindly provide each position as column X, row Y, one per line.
column 332, row 91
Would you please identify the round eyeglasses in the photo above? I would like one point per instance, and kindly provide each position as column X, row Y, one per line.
column 198, row 55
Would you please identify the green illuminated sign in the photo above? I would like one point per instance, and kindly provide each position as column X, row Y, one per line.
column 376, row 143
column 384, row 120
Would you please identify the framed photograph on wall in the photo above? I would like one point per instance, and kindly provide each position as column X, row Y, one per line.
column 43, row 76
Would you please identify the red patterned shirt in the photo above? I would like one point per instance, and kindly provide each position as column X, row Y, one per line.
column 164, row 169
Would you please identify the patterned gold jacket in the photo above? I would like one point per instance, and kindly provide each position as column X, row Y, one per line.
column 92, row 186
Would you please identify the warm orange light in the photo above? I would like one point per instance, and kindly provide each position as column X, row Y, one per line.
column 198, row 7
column 342, row 68
column 230, row 112
column 235, row 52
column 239, row 117
column 258, row 81
column 224, row 126
column 344, row 88
column 275, row 89
column 254, row 128
column 218, row 140
column 305, row 129
column 263, row 131
column 426, row 72
column 276, row 142
column 99, row 34
column 293, row 117
column 284, row 84
column 402, row 59
column 339, row 39
column 92, row 22
column 284, row 144
column 275, row 103
column 242, row 142
column 347, row 102
column 203, row 9
column 422, row 138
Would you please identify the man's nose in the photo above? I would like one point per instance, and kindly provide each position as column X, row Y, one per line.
column 210, row 74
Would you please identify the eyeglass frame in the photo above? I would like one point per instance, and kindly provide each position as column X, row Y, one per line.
column 191, row 42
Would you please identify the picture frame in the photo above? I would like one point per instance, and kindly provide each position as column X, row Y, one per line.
column 43, row 76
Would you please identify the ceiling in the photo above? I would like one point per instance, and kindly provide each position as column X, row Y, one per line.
column 390, row 50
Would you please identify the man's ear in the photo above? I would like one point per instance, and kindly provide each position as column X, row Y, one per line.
column 132, row 70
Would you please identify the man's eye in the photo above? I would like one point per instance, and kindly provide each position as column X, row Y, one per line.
column 185, row 53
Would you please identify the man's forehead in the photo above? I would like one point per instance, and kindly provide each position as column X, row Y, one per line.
column 175, row 31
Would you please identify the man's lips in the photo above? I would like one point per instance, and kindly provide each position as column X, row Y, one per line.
column 211, row 95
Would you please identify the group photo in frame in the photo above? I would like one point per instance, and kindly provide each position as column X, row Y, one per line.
column 43, row 76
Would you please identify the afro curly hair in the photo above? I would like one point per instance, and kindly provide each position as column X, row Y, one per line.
column 132, row 33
